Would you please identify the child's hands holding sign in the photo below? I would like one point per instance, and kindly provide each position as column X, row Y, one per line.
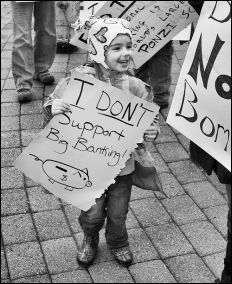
column 152, row 132
column 59, row 106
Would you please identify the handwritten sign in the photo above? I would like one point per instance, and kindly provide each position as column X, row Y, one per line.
column 201, row 106
column 153, row 23
column 111, row 9
column 90, row 8
column 79, row 153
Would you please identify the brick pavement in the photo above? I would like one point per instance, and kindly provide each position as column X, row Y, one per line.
column 178, row 237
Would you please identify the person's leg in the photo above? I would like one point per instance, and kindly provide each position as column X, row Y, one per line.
column 45, row 36
column 117, row 202
column 22, row 53
column 160, row 75
column 91, row 222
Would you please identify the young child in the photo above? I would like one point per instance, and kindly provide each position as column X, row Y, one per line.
column 110, row 48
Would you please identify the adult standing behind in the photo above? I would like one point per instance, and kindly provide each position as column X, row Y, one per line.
column 157, row 73
column 32, row 62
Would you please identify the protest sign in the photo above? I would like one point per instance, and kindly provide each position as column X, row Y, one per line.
column 111, row 9
column 90, row 8
column 153, row 24
column 79, row 153
column 201, row 106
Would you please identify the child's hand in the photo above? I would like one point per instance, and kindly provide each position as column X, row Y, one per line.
column 151, row 133
column 59, row 106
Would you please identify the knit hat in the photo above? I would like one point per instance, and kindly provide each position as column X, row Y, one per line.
column 100, row 35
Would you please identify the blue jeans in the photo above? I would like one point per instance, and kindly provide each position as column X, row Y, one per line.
column 28, row 61
column 157, row 73
column 113, row 206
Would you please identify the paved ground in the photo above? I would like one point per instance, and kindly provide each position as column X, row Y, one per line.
column 177, row 238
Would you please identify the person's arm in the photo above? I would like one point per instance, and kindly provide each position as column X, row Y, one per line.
column 56, row 94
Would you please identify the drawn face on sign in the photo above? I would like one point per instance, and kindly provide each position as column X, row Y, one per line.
column 71, row 177
column 119, row 53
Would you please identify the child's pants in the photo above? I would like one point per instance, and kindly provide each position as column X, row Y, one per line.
column 26, row 59
column 113, row 205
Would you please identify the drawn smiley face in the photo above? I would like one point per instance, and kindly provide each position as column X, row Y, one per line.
column 64, row 174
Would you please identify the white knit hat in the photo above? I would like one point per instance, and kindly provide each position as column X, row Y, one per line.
column 101, row 32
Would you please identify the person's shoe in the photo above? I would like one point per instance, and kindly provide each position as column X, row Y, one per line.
column 88, row 250
column 123, row 255
column 24, row 95
column 63, row 46
column 45, row 78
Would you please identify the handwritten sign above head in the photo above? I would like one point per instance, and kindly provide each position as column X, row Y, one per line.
column 90, row 8
column 153, row 24
column 79, row 153
column 201, row 106
column 111, row 9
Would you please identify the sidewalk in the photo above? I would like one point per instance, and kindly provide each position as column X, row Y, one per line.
column 177, row 238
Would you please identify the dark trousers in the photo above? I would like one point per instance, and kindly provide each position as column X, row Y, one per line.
column 112, row 206
column 157, row 73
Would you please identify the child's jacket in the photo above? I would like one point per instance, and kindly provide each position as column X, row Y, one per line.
column 122, row 81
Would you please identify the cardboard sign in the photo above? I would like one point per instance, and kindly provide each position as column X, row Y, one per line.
column 111, row 9
column 79, row 153
column 153, row 24
column 201, row 106
column 90, row 8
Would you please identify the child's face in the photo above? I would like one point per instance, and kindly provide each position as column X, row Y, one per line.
column 119, row 53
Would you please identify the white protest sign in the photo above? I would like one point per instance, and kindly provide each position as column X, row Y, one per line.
column 90, row 8
column 156, row 24
column 153, row 24
column 111, row 9
column 201, row 106
column 79, row 153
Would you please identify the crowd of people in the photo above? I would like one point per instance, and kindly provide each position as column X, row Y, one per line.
column 112, row 66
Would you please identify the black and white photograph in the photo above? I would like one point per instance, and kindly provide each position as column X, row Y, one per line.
column 116, row 142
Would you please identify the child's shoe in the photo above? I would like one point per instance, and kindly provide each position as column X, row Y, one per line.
column 88, row 250
column 123, row 255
